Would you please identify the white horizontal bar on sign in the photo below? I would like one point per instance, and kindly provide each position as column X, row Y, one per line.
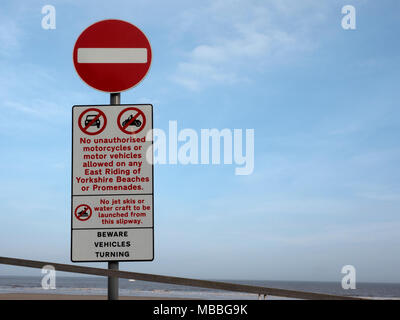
column 112, row 55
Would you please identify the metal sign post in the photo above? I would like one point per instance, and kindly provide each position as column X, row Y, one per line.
column 113, row 283
column 111, row 183
column 115, row 98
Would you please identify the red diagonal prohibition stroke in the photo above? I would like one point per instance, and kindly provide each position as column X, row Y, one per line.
column 84, row 211
column 91, row 122
column 133, row 119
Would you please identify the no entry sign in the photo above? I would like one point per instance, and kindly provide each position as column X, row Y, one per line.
column 112, row 183
column 112, row 55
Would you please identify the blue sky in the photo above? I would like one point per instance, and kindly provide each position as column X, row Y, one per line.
column 323, row 102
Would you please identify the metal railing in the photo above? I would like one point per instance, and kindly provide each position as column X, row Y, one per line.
column 264, row 291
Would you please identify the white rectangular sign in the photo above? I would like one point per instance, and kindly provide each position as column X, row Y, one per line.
column 112, row 244
column 112, row 183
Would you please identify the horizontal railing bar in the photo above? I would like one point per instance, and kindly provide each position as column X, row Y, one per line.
column 176, row 280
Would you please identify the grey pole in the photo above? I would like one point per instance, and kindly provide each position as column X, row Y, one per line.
column 115, row 98
column 113, row 283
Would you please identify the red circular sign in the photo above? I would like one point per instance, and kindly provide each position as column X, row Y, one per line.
column 83, row 212
column 92, row 117
column 112, row 55
column 131, row 122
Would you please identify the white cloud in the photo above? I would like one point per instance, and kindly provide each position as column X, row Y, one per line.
column 346, row 130
column 147, row 100
column 235, row 38
column 365, row 233
column 380, row 196
column 39, row 108
column 196, row 74
column 9, row 36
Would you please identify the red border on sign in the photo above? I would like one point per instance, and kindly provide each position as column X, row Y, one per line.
column 139, row 113
column 79, row 217
column 101, row 114
column 114, row 89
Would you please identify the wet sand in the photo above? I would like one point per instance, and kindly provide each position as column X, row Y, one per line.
column 40, row 296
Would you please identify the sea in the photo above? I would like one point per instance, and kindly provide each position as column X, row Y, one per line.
column 98, row 286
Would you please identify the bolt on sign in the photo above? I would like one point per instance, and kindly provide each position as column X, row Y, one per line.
column 112, row 183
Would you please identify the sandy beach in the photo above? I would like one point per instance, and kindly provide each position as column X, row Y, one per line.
column 39, row 296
